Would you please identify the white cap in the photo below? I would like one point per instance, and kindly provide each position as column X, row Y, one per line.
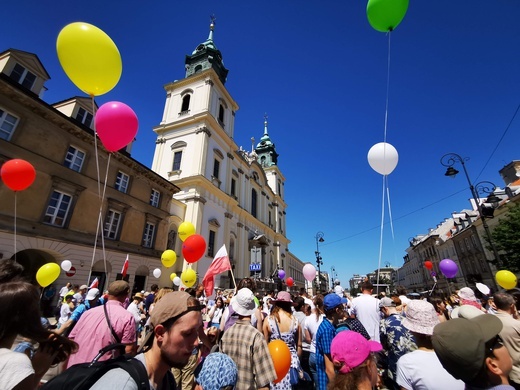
column 93, row 293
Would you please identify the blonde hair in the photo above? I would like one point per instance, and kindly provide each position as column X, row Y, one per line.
column 161, row 293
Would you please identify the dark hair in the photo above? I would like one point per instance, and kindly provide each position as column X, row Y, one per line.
column 219, row 299
column 401, row 290
column 154, row 287
column 279, row 306
column 436, row 301
column 367, row 286
column 20, row 311
column 247, row 282
column 10, row 270
column 299, row 302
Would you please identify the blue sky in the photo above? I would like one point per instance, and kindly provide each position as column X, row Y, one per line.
column 320, row 73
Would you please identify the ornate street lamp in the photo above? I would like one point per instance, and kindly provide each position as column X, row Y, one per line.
column 319, row 261
column 483, row 187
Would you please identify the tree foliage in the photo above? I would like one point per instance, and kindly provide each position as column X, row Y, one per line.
column 506, row 237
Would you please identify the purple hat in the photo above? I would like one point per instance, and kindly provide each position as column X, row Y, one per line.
column 349, row 349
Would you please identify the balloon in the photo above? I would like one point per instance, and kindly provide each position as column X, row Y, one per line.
column 385, row 15
column 47, row 274
column 506, row 279
column 289, row 281
column 18, row 174
column 281, row 357
column 448, row 268
column 157, row 273
column 281, row 274
column 173, row 275
column 186, row 229
column 177, row 281
column 188, row 277
column 383, row 158
column 89, row 57
column 428, row 264
column 168, row 258
column 193, row 248
column 66, row 265
column 309, row 272
column 116, row 125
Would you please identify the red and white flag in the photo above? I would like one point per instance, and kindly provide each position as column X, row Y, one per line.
column 219, row 264
column 94, row 284
column 125, row 267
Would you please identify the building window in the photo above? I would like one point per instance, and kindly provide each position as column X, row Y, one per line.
column 177, row 158
column 185, row 103
column 23, row 76
column 112, row 222
column 154, row 198
column 216, row 168
column 211, row 243
column 221, row 114
column 84, row 117
column 254, row 195
column 148, row 235
column 8, row 123
column 468, row 245
column 58, row 209
column 74, row 159
column 122, row 180
column 233, row 187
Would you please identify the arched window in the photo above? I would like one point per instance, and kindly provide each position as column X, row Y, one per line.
column 186, row 103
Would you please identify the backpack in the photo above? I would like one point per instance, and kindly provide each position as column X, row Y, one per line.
column 83, row 376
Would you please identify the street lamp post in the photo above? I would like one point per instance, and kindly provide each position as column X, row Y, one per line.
column 319, row 261
column 333, row 276
column 484, row 187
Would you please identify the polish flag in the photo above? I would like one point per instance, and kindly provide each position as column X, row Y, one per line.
column 94, row 284
column 219, row 264
column 125, row 267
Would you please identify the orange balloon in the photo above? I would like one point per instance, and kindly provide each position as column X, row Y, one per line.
column 281, row 358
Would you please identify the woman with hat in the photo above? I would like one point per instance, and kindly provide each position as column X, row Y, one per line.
column 354, row 361
column 282, row 325
column 136, row 311
column 421, row 369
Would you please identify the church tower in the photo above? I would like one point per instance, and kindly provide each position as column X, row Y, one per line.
column 232, row 196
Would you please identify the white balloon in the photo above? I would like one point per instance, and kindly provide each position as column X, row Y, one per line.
column 66, row 265
column 383, row 158
column 177, row 281
column 157, row 273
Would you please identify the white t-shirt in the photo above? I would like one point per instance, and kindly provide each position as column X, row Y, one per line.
column 14, row 368
column 366, row 309
column 312, row 324
column 65, row 313
column 422, row 370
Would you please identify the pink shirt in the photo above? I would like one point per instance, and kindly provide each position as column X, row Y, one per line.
column 92, row 332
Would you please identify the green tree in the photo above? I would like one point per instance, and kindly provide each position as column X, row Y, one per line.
column 506, row 237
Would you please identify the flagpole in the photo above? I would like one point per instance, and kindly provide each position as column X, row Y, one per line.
column 233, row 277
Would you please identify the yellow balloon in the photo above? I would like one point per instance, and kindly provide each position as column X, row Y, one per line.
column 506, row 279
column 47, row 274
column 186, row 229
column 189, row 277
column 89, row 57
column 168, row 258
column 173, row 275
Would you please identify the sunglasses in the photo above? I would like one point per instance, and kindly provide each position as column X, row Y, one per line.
column 495, row 343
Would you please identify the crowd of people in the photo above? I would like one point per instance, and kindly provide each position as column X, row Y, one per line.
column 188, row 341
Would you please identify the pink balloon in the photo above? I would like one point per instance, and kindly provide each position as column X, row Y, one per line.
column 116, row 125
column 309, row 272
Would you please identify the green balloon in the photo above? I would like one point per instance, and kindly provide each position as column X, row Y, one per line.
column 385, row 15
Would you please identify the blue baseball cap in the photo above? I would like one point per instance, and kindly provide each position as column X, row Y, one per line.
column 332, row 300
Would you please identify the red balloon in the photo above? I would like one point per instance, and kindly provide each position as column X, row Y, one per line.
column 289, row 282
column 428, row 264
column 18, row 174
column 281, row 356
column 193, row 248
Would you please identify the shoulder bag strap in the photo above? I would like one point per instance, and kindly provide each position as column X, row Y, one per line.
column 114, row 334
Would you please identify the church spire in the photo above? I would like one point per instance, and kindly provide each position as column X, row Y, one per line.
column 206, row 56
column 265, row 149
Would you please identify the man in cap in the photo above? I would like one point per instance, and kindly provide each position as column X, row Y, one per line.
column 395, row 338
column 80, row 296
column 247, row 346
column 91, row 300
column 93, row 331
column 174, row 324
column 334, row 310
column 472, row 350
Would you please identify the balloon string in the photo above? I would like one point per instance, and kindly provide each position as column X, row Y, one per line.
column 389, row 208
column 387, row 87
column 381, row 234
column 15, row 198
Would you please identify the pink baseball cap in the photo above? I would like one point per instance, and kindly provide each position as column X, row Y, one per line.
column 349, row 349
